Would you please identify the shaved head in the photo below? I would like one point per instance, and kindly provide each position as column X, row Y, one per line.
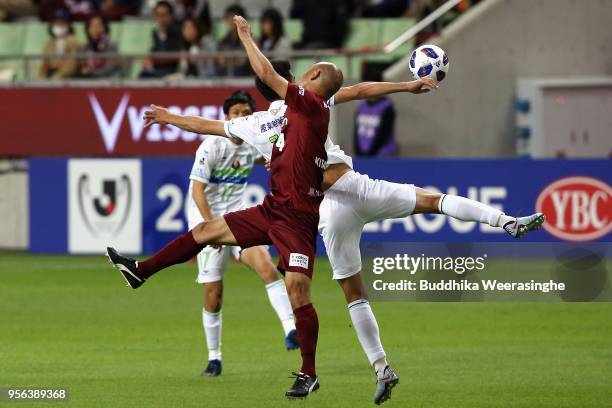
column 332, row 77
column 324, row 78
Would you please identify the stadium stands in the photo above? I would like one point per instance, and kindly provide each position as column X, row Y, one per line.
column 134, row 37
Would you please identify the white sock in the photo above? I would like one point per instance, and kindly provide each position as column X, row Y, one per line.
column 277, row 293
column 212, row 330
column 465, row 209
column 366, row 327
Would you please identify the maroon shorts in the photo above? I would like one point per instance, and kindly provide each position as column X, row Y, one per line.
column 291, row 231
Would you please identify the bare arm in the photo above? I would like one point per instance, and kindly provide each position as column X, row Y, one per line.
column 261, row 65
column 365, row 90
column 199, row 196
column 194, row 124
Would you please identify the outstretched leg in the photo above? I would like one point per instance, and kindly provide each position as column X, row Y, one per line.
column 178, row 251
column 465, row 209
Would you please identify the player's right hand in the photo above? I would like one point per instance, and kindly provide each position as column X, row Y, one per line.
column 422, row 85
column 244, row 30
column 156, row 114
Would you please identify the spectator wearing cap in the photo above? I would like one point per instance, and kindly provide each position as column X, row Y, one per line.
column 166, row 38
column 60, row 60
column 231, row 42
column 273, row 32
column 97, row 65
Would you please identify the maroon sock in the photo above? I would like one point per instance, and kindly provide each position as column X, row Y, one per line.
column 307, row 324
column 178, row 251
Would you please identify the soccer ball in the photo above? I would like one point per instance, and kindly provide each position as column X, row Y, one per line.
column 429, row 60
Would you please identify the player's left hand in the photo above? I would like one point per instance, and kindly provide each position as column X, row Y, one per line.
column 156, row 114
column 244, row 30
column 422, row 85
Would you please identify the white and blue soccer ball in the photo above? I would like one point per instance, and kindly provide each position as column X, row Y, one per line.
column 429, row 60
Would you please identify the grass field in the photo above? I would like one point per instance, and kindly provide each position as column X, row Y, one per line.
column 69, row 321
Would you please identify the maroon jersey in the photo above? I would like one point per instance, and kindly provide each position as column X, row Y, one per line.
column 298, row 155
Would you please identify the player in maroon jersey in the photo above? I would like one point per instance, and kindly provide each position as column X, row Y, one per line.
column 288, row 217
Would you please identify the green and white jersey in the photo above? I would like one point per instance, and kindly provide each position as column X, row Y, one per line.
column 224, row 167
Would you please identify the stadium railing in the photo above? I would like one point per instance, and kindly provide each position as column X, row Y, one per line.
column 21, row 67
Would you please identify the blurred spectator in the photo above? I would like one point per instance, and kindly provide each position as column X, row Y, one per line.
column 386, row 8
column 231, row 42
column 273, row 32
column 196, row 39
column 166, row 38
column 61, row 44
column 79, row 10
column 198, row 9
column 116, row 9
column 17, row 8
column 375, row 123
column 325, row 22
column 99, row 42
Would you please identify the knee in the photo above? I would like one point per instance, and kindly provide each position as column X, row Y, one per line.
column 298, row 291
column 353, row 288
column 208, row 232
column 199, row 232
column 268, row 273
column 266, row 270
column 213, row 297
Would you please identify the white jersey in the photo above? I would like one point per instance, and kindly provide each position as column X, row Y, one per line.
column 263, row 128
column 224, row 167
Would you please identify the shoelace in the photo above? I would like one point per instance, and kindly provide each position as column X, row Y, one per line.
column 298, row 375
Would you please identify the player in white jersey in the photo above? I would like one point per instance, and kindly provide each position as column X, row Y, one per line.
column 217, row 186
column 352, row 200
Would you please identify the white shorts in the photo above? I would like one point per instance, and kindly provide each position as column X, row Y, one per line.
column 352, row 202
column 211, row 262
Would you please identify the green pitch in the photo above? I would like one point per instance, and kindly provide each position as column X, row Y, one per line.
column 70, row 321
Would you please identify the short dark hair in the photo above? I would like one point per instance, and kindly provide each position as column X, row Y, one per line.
column 166, row 4
column 283, row 68
column 236, row 10
column 237, row 98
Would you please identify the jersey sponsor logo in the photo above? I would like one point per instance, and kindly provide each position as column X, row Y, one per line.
column 273, row 139
column 264, row 127
column 299, row 260
column 577, row 208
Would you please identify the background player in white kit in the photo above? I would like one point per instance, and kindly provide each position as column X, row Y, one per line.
column 217, row 186
column 352, row 200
